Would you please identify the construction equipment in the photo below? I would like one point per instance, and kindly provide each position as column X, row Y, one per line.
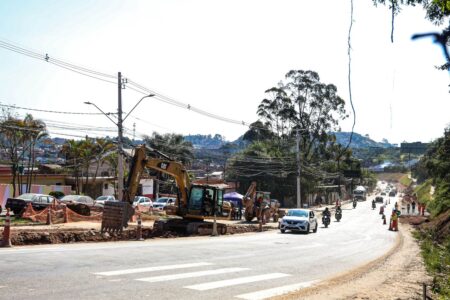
column 193, row 204
column 258, row 204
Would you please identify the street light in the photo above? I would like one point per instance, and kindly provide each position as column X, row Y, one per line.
column 120, row 138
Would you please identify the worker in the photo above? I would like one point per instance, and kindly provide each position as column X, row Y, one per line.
column 207, row 204
column 408, row 207
column 394, row 219
column 413, row 206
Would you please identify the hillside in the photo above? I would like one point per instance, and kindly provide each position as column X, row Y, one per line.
column 360, row 141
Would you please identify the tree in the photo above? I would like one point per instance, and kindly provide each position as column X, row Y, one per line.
column 173, row 145
column 37, row 131
column 71, row 149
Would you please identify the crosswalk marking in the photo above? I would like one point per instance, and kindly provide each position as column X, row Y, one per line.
column 191, row 274
column 153, row 269
column 281, row 290
column 236, row 281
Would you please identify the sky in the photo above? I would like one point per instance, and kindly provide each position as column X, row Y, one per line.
column 220, row 57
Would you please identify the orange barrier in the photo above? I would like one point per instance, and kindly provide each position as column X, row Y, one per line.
column 60, row 214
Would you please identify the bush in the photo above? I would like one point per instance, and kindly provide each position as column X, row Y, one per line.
column 57, row 194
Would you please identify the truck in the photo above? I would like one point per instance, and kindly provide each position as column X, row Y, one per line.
column 360, row 193
column 194, row 202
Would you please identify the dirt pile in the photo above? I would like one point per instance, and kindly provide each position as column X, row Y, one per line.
column 439, row 226
column 27, row 236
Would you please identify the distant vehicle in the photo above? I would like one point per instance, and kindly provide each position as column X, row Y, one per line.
column 100, row 201
column 299, row 220
column 383, row 194
column 162, row 202
column 392, row 194
column 38, row 201
column 379, row 199
column 78, row 199
column 142, row 201
column 359, row 193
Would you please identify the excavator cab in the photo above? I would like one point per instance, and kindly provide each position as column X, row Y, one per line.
column 205, row 200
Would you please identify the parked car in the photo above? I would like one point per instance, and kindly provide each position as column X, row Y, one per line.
column 78, row 199
column 379, row 199
column 38, row 201
column 299, row 220
column 100, row 201
column 162, row 202
column 142, row 201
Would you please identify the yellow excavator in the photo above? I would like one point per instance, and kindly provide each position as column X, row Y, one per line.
column 194, row 201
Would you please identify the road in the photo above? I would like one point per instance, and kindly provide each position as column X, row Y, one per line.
column 246, row 266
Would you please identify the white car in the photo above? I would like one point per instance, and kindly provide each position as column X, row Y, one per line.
column 100, row 201
column 299, row 220
column 142, row 201
column 162, row 202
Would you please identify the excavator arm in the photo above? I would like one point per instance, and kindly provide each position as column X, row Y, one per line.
column 173, row 168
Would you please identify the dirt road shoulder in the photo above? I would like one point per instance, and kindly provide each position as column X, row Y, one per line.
column 398, row 274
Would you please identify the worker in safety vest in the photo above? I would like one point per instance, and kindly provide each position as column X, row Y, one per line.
column 394, row 219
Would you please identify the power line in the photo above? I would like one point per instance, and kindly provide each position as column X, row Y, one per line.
column 60, row 63
column 51, row 111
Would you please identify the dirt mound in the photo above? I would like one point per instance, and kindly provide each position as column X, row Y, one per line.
column 22, row 237
column 438, row 226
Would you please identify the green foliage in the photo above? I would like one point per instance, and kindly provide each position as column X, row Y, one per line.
column 173, row 145
column 57, row 194
column 441, row 198
column 423, row 191
column 437, row 261
column 436, row 165
column 405, row 180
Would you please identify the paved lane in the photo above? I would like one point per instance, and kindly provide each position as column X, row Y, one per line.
column 247, row 266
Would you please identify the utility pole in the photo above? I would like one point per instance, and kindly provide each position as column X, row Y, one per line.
column 120, row 141
column 299, row 200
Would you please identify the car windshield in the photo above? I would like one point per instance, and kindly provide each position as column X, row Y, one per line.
column 297, row 213
column 26, row 196
column 103, row 198
column 162, row 200
column 70, row 198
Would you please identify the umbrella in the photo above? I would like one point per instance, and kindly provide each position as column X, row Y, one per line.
column 234, row 197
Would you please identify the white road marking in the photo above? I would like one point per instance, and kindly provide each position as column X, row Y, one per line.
column 191, row 274
column 153, row 269
column 264, row 294
column 236, row 281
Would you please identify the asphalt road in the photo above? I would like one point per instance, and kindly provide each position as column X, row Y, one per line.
column 246, row 266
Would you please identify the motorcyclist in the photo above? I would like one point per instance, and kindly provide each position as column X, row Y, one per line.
column 326, row 212
column 373, row 204
column 354, row 203
column 338, row 213
column 339, row 209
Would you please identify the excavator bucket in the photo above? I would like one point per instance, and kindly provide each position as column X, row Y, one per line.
column 116, row 216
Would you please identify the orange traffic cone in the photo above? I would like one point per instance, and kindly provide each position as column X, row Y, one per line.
column 6, row 240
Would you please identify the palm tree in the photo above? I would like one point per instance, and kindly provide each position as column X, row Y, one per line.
column 173, row 145
column 72, row 150
column 37, row 131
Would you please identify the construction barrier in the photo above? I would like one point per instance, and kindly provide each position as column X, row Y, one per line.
column 58, row 214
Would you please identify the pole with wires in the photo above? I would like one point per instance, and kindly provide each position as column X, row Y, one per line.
column 119, row 141
column 299, row 200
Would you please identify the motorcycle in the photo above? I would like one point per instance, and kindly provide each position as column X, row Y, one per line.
column 354, row 203
column 338, row 215
column 326, row 221
column 374, row 205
